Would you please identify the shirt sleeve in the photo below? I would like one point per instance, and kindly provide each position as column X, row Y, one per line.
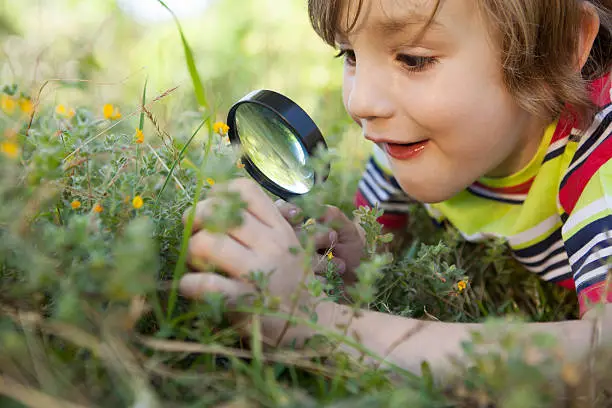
column 585, row 200
column 587, row 234
column 378, row 186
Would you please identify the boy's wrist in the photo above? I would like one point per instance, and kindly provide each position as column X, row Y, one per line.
column 325, row 311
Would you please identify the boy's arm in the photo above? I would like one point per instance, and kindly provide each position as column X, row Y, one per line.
column 409, row 342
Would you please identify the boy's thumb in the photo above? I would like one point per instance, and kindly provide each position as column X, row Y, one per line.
column 195, row 285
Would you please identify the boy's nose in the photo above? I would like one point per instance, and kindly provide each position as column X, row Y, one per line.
column 368, row 96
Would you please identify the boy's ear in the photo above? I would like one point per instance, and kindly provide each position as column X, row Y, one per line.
column 589, row 28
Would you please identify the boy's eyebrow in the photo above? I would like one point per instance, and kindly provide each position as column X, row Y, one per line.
column 393, row 26
column 397, row 25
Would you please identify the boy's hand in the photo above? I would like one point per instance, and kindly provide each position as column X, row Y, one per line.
column 264, row 242
column 345, row 238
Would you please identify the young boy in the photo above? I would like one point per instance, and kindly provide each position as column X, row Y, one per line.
column 496, row 115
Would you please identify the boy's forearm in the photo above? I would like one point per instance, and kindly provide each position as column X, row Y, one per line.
column 399, row 340
column 408, row 342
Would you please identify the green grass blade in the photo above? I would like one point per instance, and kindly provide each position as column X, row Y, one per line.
column 144, row 99
column 141, row 128
column 180, row 268
column 256, row 345
column 200, row 93
column 178, row 159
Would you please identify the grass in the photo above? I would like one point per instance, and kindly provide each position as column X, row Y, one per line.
column 90, row 315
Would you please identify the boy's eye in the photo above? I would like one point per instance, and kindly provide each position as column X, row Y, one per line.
column 412, row 63
column 415, row 63
column 348, row 55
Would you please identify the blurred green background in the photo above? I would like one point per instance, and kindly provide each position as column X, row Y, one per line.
column 114, row 45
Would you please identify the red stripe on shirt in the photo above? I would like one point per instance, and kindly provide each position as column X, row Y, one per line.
column 594, row 294
column 577, row 182
column 518, row 189
column 564, row 127
column 567, row 284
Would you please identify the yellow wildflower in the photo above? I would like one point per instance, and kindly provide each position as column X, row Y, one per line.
column 111, row 112
column 98, row 208
column 220, row 128
column 107, row 110
column 26, row 105
column 137, row 202
column 310, row 222
column 62, row 110
column 76, row 204
column 210, row 181
column 330, row 255
column 461, row 285
column 10, row 149
column 8, row 104
column 139, row 136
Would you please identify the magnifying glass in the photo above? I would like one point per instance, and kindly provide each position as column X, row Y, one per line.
column 278, row 140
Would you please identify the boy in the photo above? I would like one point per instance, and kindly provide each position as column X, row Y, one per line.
column 496, row 115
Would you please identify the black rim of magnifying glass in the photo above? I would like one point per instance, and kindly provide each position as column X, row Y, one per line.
column 294, row 118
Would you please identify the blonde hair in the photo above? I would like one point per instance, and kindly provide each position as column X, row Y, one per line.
column 538, row 42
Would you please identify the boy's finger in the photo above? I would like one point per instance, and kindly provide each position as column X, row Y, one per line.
column 221, row 251
column 250, row 231
column 290, row 212
column 333, row 216
column 259, row 204
column 325, row 239
column 340, row 265
column 336, row 219
column 203, row 209
column 195, row 285
column 186, row 215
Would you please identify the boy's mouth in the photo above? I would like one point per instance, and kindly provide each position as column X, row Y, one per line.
column 405, row 151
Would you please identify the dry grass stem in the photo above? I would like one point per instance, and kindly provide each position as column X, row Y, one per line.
column 31, row 397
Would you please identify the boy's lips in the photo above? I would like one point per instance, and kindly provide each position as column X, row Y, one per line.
column 405, row 151
column 399, row 151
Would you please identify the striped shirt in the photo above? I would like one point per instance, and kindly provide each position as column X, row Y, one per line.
column 555, row 214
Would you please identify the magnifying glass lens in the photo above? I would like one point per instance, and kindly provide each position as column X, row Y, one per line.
column 274, row 148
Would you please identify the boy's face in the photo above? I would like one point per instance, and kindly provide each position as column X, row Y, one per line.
column 445, row 91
